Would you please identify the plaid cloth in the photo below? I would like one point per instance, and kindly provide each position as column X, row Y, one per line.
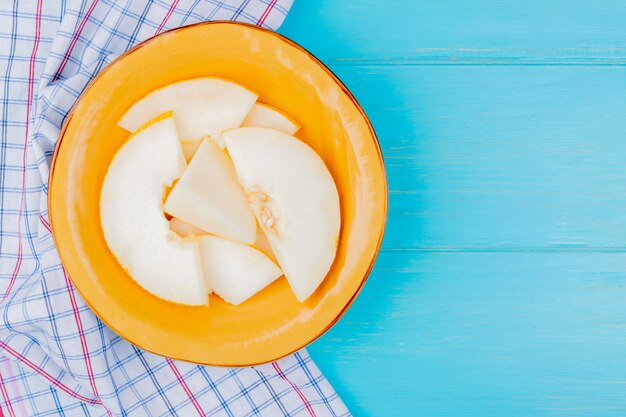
column 56, row 356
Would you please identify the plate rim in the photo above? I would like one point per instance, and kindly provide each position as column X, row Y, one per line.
column 344, row 89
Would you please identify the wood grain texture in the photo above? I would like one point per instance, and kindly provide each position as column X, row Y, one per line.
column 409, row 32
column 466, row 334
column 501, row 286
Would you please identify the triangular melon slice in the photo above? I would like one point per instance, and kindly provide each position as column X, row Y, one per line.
column 184, row 229
column 209, row 196
column 233, row 270
column 294, row 199
column 264, row 115
column 202, row 107
column 261, row 115
column 131, row 214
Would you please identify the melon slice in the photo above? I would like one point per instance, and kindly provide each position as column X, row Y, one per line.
column 131, row 214
column 202, row 107
column 235, row 271
column 264, row 115
column 182, row 228
column 209, row 196
column 261, row 115
column 294, row 198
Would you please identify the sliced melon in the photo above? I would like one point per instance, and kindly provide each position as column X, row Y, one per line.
column 264, row 115
column 209, row 196
column 201, row 106
column 235, row 271
column 294, row 198
column 131, row 214
column 184, row 229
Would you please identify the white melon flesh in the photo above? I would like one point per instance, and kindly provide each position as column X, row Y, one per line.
column 209, row 196
column 294, row 199
column 182, row 228
column 131, row 213
column 201, row 107
column 263, row 115
column 235, row 271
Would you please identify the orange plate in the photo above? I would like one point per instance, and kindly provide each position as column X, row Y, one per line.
column 273, row 323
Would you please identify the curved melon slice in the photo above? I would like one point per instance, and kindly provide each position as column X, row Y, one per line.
column 264, row 115
column 294, row 199
column 201, row 106
column 209, row 196
column 131, row 213
column 235, row 271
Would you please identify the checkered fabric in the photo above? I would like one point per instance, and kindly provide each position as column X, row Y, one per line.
column 56, row 356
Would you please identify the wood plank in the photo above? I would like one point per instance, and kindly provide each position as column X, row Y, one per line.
column 460, row 32
column 515, row 158
column 500, row 287
column 510, row 334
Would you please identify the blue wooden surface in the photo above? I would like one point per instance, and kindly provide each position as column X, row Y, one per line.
column 501, row 286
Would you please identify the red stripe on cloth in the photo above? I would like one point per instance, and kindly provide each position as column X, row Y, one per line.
column 5, row 396
column 73, row 41
column 45, row 223
column 295, row 387
column 266, row 13
column 182, row 382
column 83, row 340
column 81, row 332
column 31, row 89
column 79, row 325
column 46, row 375
column 167, row 15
